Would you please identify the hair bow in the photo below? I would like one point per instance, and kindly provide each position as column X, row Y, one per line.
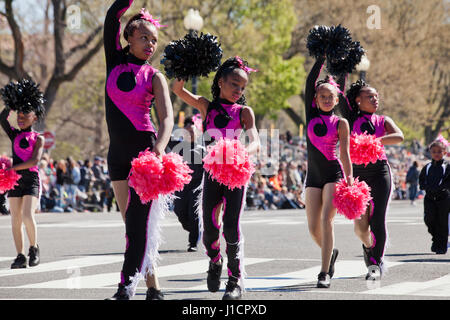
column 148, row 17
column 243, row 66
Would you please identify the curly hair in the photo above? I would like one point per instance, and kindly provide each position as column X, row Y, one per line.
column 354, row 91
column 224, row 70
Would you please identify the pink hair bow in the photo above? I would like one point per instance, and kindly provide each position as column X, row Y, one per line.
column 243, row 66
column 148, row 17
column 335, row 84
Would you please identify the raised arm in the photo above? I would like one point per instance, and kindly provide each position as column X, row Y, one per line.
column 5, row 123
column 111, row 29
column 196, row 101
column 310, row 88
column 343, row 106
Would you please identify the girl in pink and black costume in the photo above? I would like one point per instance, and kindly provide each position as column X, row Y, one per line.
column 131, row 86
column 26, row 99
column 371, row 228
column 226, row 116
column 324, row 131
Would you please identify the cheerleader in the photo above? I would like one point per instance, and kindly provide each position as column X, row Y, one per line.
column 131, row 86
column 371, row 229
column 226, row 116
column 324, row 131
column 25, row 98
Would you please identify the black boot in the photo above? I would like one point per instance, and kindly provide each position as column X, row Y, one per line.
column 4, row 210
column 121, row 294
column 19, row 262
column 214, row 273
column 332, row 261
column 153, row 294
column 33, row 254
column 367, row 252
column 232, row 291
column 323, row 280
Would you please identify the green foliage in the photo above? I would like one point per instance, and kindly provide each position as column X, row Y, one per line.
column 260, row 32
column 265, row 31
column 410, row 133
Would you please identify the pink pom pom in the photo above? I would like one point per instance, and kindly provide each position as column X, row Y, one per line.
column 8, row 178
column 151, row 177
column 228, row 162
column 365, row 149
column 145, row 176
column 176, row 173
column 351, row 201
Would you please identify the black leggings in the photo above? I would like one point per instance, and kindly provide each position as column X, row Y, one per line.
column 436, row 220
column 142, row 239
column 215, row 194
column 378, row 177
column 184, row 208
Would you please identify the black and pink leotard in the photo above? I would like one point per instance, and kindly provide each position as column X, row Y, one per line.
column 23, row 143
column 377, row 175
column 322, row 137
column 223, row 121
column 128, row 98
column 129, row 93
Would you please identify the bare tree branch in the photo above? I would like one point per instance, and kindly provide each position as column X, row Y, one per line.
column 85, row 44
column 19, row 51
column 82, row 62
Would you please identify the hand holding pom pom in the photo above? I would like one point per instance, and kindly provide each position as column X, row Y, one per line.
column 23, row 96
column 192, row 56
column 365, row 148
column 351, row 201
column 336, row 45
column 150, row 177
column 8, row 178
column 228, row 162
column 145, row 176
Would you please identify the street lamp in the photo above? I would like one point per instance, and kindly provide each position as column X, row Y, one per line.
column 194, row 23
column 362, row 67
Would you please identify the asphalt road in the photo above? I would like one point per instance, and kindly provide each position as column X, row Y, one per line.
column 82, row 254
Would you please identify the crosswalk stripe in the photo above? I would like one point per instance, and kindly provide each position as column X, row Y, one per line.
column 344, row 268
column 76, row 281
column 439, row 287
column 65, row 264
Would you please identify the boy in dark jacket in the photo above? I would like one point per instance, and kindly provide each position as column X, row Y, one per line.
column 434, row 178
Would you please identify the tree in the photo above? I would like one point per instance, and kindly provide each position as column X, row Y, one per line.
column 259, row 32
column 63, row 71
column 409, row 60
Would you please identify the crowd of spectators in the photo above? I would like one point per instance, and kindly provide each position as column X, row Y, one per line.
column 69, row 185
column 278, row 183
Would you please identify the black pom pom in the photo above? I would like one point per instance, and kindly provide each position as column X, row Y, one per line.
column 347, row 65
column 192, row 56
column 317, row 41
column 336, row 44
column 24, row 96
